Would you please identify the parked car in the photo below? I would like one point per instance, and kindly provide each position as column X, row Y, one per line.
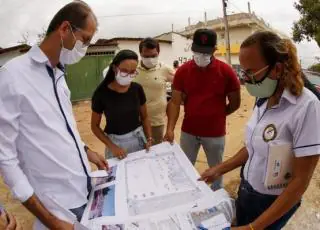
column 314, row 78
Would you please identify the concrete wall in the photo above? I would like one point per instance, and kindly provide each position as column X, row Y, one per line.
column 178, row 50
column 237, row 35
column 234, row 59
column 101, row 49
column 181, row 48
column 165, row 49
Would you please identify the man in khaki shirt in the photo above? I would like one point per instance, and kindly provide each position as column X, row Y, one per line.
column 153, row 76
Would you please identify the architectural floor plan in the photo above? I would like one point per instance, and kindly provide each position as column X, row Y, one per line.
column 158, row 190
column 158, row 181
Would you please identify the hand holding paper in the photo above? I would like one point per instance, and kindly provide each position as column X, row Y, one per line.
column 98, row 160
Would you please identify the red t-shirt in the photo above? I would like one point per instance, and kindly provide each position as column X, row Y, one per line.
column 206, row 92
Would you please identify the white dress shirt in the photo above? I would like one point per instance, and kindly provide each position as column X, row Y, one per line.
column 37, row 152
column 295, row 120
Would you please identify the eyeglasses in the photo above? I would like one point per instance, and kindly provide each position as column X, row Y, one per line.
column 252, row 76
column 125, row 74
column 85, row 39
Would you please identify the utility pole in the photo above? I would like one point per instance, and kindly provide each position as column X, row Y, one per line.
column 249, row 8
column 226, row 33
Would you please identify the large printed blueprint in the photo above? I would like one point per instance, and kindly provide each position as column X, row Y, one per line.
column 158, row 190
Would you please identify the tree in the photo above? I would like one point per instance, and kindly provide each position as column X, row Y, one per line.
column 26, row 40
column 308, row 26
column 41, row 35
column 315, row 68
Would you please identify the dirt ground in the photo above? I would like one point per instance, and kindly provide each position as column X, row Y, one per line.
column 307, row 217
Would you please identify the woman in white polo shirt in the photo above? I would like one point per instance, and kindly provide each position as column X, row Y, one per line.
column 282, row 136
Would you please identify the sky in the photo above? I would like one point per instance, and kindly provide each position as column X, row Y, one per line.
column 140, row 18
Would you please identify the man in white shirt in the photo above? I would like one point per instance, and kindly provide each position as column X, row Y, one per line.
column 42, row 157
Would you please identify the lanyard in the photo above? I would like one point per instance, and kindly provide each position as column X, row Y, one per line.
column 51, row 74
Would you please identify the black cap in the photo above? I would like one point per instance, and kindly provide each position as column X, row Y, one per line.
column 204, row 41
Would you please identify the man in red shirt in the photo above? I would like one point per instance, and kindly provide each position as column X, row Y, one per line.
column 204, row 84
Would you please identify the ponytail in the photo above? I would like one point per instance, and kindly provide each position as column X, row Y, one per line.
column 292, row 71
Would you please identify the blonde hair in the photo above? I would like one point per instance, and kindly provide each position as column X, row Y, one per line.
column 274, row 50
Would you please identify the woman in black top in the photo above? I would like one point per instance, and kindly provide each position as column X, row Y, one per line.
column 123, row 103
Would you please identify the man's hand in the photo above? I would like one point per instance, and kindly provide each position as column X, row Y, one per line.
column 148, row 144
column 98, row 160
column 211, row 174
column 169, row 136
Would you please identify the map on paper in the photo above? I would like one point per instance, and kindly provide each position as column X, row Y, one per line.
column 168, row 184
column 158, row 190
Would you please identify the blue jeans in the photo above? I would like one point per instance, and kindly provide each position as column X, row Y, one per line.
column 250, row 204
column 213, row 148
column 131, row 142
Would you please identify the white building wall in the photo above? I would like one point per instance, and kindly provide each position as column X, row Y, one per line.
column 166, row 50
column 181, row 48
column 128, row 45
column 234, row 59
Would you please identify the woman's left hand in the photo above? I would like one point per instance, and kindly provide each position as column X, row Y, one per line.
column 148, row 144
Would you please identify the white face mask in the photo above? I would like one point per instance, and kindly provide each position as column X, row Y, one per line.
column 202, row 60
column 150, row 62
column 73, row 56
column 124, row 79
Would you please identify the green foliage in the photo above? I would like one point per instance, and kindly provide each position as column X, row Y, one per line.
column 308, row 26
column 315, row 68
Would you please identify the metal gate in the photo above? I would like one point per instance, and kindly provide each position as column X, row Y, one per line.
column 84, row 76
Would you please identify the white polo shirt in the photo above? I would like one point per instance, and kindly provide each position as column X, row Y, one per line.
column 295, row 120
column 37, row 152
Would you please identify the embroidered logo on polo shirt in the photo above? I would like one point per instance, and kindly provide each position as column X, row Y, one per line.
column 269, row 133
